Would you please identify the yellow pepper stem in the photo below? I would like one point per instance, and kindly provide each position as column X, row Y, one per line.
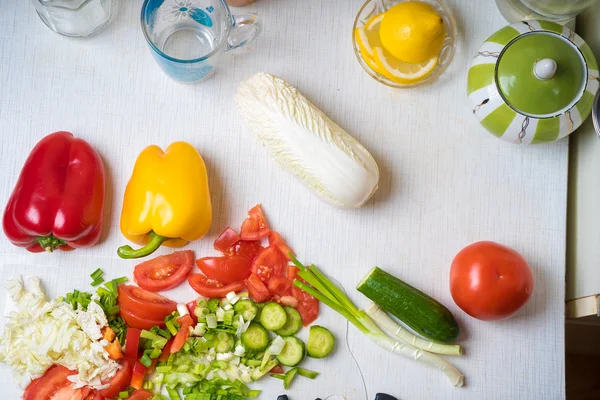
column 154, row 243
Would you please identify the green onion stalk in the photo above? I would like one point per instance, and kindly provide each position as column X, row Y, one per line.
column 321, row 288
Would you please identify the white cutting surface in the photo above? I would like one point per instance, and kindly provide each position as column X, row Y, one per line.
column 444, row 182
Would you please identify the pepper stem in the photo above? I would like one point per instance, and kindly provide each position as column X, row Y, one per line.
column 154, row 243
column 50, row 243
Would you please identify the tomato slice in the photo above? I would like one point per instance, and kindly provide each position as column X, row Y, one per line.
column 135, row 321
column 257, row 289
column 144, row 304
column 140, row 394
column 226, row 269
column 182, row 334
column 164, row 272
column 132, row 343
column 269, row 262
column 280, row 286
column 137, row 378
column 255, row 226
column 120, row 381
column 226, row 241
column 68, row 393
column 308, row 306
column 276, row 240
column 248, row 248
column 291, row 271
column 191, row 306
column 53, row 380
column 212, row 288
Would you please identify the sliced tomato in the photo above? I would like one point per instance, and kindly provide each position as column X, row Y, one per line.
column 132, row 342
column 226, row 269
column 182, row 334
column 95, row 395
column 269, row 262
column 247, row 248
column 144, row 304
column 255, row 226
column 280, row 286
column 140, row 394
column 120, row 381
column 308, row 306
column 289, row 301
column 291, row 271
column 134, row 321
column 257, row 289
column 212, row 288
column 53, row 380
column 137, row 378
column 278, row 369
column 276, row 240
column 191, row 306
column 164, row 272
column 226, row 241
column 68, row 393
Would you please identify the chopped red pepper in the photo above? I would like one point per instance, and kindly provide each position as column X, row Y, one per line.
column 139, row 372
column 58, row 200
column 182, row 334
column 132, row 342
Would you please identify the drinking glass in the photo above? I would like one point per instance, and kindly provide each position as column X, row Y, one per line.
column 560, row 11
column 187, row 38
column 75, row 17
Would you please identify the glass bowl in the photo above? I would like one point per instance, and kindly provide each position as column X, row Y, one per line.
column 371, row 8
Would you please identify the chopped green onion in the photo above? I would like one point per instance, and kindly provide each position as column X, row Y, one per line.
column 112, row 287
column 97, row 281
column 120, row 280
column 213, row 304
column 124, row 395
column 96, row 274
column 146, row 361
column 211, row 321
column 278, row 376
column 164, row 368
column 173, row 394
column 113, row 311
column 171, row 327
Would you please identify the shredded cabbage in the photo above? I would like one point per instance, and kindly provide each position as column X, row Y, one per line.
column 42, row 333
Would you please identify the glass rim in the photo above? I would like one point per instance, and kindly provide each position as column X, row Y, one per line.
column 216, row 50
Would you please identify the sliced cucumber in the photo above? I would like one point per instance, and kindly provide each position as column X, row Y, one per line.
column 320, row 342
column 292, row 353
column 273, row 316
column 293, row 324
column 255, row 338
column 247, row 309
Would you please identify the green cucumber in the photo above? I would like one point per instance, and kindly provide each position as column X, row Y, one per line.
column 420, row 312
column 256, row 338
column 246, row 308
column 293, row 324
column 292, row 353
column 273, row 316
column 320, row 342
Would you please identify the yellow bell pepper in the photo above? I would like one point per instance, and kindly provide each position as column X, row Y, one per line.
column 167, row 200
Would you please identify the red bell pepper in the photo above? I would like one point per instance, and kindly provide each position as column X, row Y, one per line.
column 58, row 200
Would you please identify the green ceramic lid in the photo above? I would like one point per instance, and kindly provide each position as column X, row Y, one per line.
column 541, row 73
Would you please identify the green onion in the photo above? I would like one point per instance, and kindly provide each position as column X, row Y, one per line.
column 213, row 304
column 112, row 287
column 173, row 394
column 253, row 393
column 97, row 274
column 164, row 368
column 120, row 280
column 321, row 288
column 171, row 327
column 123, row 395
column 278, row 376
column 146, row 361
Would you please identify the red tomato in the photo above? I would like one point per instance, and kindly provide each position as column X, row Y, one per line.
column 247, row 248
column 132, row 342
column 269, row 262
column 120, row 381
column 490, row 281
column 257, row 289
column 68, row 393
column 212, row 288
column 140, row 394
column 144, row 304
column 191, row 306
column 276, row 240
column 182, row 334
column 278, row 369
column 94, row 395
column 226, row 269
column 226, row 241
column 255, row 226
column 134, row 321
column 292, row 271
column 164, row 272
column 164, row 356
column 280, row 286
column 308, row 306
column 44, row 387
column 137, row 378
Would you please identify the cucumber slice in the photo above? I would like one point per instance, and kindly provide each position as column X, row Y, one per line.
column 247, row 309
column 292, row 353
column 255, row 338
column 293, row 324
column 320, row 342
column 273, row 316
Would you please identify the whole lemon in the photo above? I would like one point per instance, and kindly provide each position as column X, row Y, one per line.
column 412, row 31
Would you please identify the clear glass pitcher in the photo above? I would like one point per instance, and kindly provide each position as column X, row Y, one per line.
column 75, row 17
column 560, row 11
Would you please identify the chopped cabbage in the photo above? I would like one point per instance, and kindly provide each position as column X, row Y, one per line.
column 41, row 333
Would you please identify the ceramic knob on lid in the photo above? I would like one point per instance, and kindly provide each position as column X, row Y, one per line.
column 532, row 82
